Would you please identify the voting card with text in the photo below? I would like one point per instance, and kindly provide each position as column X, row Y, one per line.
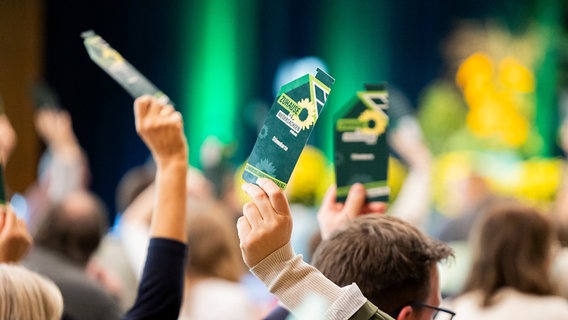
column 360, row 146
column 287, row 128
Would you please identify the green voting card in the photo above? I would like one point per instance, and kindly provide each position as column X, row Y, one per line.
column 360, row 145
column 119, row 69
column 287, row 128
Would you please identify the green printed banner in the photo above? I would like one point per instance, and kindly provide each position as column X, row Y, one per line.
column 287, row 128
column 360, row 145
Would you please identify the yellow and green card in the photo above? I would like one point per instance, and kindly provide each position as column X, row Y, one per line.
column 360, row 146
column 287, row 128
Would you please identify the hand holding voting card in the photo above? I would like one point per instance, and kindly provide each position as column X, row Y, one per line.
column 119, row 69
column 360, row 145
column 287, row 128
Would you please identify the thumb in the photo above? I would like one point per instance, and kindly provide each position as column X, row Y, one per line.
column 329, row 198
column 355, row 200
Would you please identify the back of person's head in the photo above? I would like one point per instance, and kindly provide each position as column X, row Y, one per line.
column 512, row 247
column 26, row 295
column 389, row 259
column 74, row 227
column 213, row 244
column 132, row 183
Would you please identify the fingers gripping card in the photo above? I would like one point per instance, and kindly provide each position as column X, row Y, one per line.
column 119, row 69
column 287, row 128
column 360, row 145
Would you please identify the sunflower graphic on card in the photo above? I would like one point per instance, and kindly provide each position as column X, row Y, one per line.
column 287, row 128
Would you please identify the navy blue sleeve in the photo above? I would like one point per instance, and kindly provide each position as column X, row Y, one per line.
column 161, row 289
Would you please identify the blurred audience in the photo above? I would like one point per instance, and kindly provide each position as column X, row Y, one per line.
column 513, row 251
column 110, row 264
column 65, row 240
column 63, row 166
column 469, row 197
column 214, row 267
column 24, row 294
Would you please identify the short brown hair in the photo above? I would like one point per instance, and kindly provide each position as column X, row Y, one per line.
column 212, row 243
column 389, row 259
column 74, row 227
column 512, row 246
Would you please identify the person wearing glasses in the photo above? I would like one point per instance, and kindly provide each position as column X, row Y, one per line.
column 392, row 262
column 510, row 278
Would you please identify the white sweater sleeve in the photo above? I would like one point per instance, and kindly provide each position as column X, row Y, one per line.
column 291, row 279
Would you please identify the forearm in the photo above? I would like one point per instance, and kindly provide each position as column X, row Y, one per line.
column 288, row 277
column 168, row 220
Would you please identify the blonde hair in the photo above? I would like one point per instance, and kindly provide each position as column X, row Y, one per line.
column 26, row 295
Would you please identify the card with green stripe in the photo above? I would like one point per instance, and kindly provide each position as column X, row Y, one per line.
column 287, row 128
column 360, row 145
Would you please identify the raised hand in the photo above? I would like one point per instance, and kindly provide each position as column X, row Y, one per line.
column 15, row 240
column 8, row 139
column 266, row 224
column 161, row 128
column 333, row 215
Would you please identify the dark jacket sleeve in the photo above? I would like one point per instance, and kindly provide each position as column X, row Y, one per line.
column 161, row 289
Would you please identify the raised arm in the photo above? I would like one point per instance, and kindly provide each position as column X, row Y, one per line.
column 161, row 288
column 161, row 128
column 67, row 168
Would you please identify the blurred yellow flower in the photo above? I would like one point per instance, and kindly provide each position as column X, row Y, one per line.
column 477, row 66
column 515, row 76
column 447, row 170
column 396, row 176
column 311, row 175
column 496, row 108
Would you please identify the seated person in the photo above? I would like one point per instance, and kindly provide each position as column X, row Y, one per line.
column 65, row 240
column 21, row 288
column 214, row 267
column 161, row 288
column 510, row 274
